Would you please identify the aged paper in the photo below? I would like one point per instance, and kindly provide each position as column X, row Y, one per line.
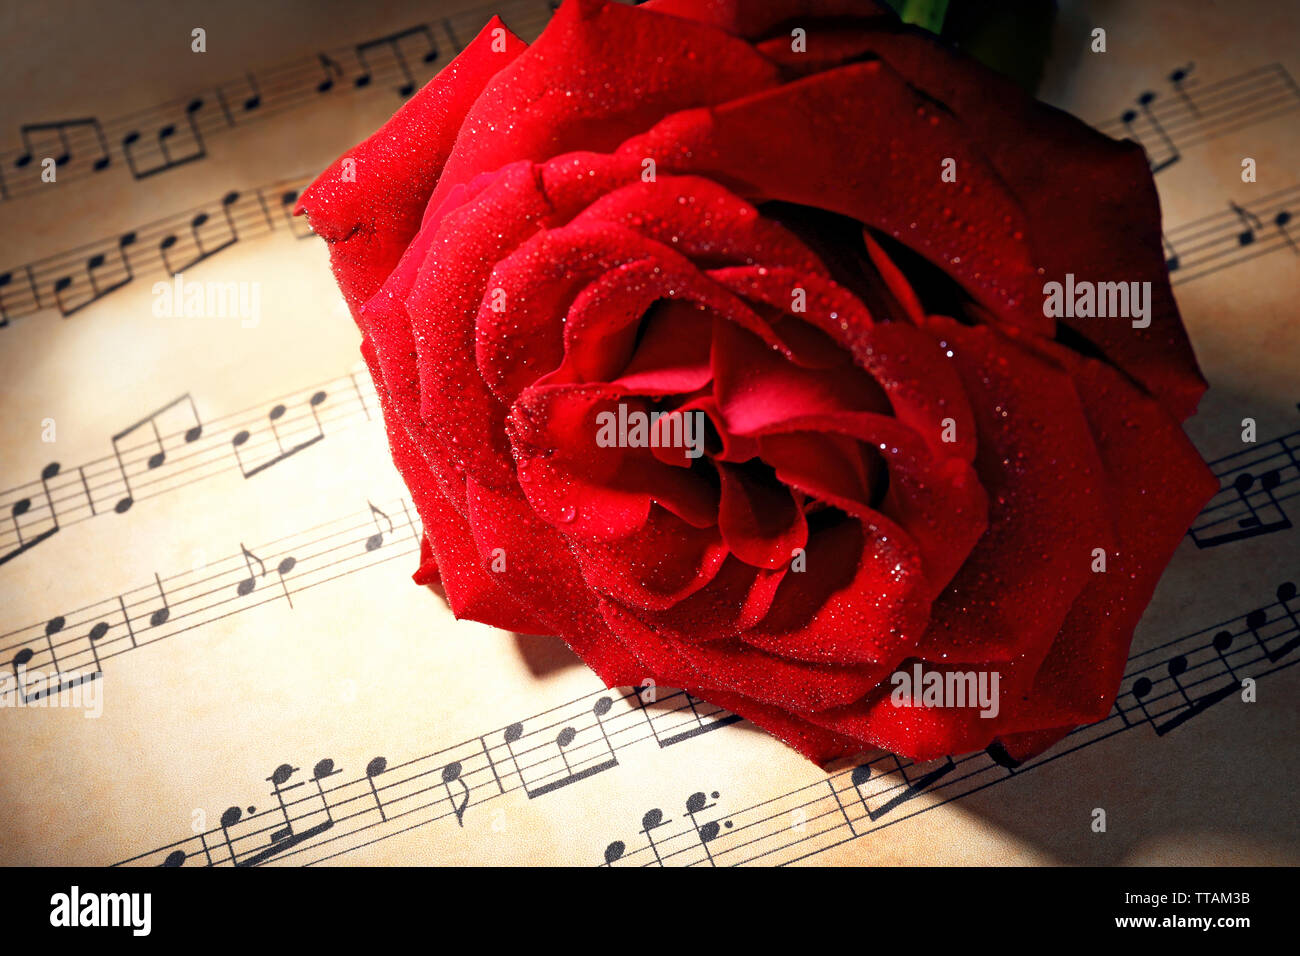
column 203, row 533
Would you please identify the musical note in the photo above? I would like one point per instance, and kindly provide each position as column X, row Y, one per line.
column 1249, row 220
column 373, row 769
column 1176, row 668
column 451, row 33
column 1177, row 78
column 93, row 638
column 392, row 43
column 1253, row 525
column 22, row 506
column 121, row 274
column 30, row 295
column 332, row 71
column 201, row 250
column 297, row 224
column 450, row 775
column 282, row 569
column 1128, row 117
column 376, row 540
column 323, row 770
column 1172, row 261
column 1285, row 595
column 161, row 615
column 245, row 587
column 254, row 99
column 166, row 133
column 65, row 154
column 719, row 719
column 73, row 279
column 1282, row 220
column 652, row 820
column 698, row 803
column 910, row 788
column 277, row 412
column 159, row 456
column 229, row 818
column 1216, row 110
column 563, row 740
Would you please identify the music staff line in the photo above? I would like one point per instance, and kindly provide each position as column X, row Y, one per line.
column 1254, row 483
column 72, row 280
column 813, row 819
column 176, row 133
column 76, row 643
column 1241, row 233
column 1166, row 124
column 248, row 440
column 606, row 732
column 563, row 745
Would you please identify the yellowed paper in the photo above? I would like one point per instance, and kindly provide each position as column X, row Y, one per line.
column 219, row 566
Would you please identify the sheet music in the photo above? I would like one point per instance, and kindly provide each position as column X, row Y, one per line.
column 211, row 651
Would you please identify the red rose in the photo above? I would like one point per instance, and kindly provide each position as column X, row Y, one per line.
column 877, row 451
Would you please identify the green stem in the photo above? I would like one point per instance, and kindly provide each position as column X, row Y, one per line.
column 927, row 14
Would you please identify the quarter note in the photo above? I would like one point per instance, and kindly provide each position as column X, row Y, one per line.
column 93, row 638
column 161, row 615
column 282, row 569
column 373, row 769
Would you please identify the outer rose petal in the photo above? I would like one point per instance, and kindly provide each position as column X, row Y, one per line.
column 1062, row 171
column 541, row 106
column 369, row 222
column 839, row 112
column 444, row 552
